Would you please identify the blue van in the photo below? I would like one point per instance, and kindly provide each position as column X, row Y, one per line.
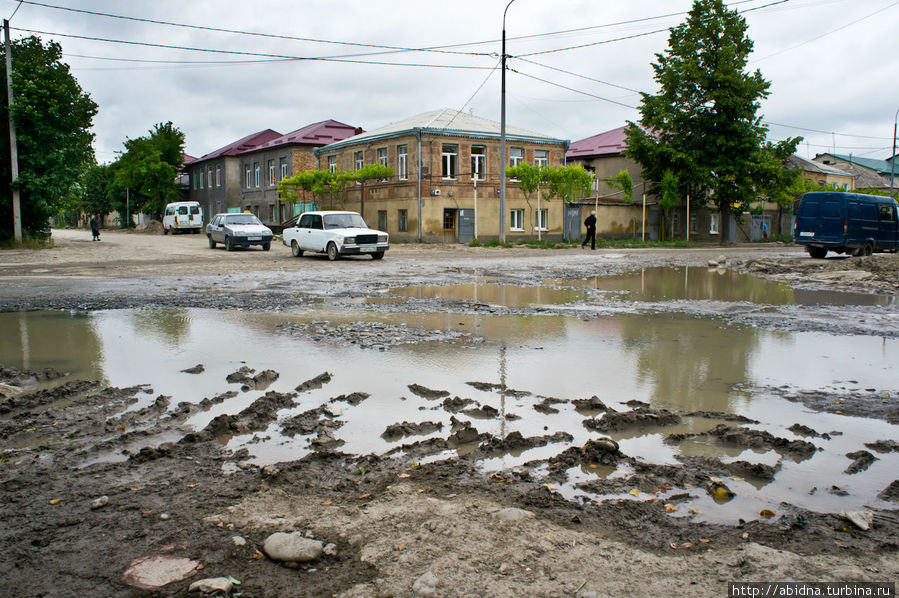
column 850, row 223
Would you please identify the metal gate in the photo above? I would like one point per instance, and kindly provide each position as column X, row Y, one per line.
column 571, row 225
column 466, row 226
column 755, row 227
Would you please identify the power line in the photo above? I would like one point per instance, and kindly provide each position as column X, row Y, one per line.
column 245, row 53
column 826, row 132
column 574, row 90
column 546, row 66
column 249, row 33
column 476, row 91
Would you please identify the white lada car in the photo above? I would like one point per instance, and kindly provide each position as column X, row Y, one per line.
column 336, row 234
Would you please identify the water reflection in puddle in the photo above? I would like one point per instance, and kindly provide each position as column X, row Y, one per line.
column 716, row 284
column 671, row 361
column 494, row 294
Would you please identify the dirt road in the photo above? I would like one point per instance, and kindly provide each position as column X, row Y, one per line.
column 169, row 514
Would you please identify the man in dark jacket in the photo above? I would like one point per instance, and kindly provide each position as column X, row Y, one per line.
column 590, row 223
column 95, row 228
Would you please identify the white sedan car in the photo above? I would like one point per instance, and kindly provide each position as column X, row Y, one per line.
column 335, row 233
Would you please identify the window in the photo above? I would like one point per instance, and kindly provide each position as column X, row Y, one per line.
column 542, row 219
column 382, row 219
column 257, row 174
column 201, row 179
column 675, row 224
column 382, row 156
column 271, row 206
column 516, row 156
column 402, row 159
column 693, row 222
column 886, row 213
column 478, row 163
column 541, row 158
column 271, row 173
column 358, row 160
column 247, row 177
column 218, row 175
column 209, row 177
column 449, row 219
column 450, row 157
column 332, row 163
column 516, row 221
column 402, row 220
column 283, row 162
column 713, row 224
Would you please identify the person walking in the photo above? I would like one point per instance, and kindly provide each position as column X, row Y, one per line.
column 95, row 228
column 590, row 223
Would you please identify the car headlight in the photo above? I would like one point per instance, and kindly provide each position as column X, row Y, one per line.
column 349, row 241
column 382, row 238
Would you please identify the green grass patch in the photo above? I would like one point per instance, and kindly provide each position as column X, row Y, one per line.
column 28, row 242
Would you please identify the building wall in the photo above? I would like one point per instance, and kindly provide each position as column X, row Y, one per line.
column 606, row 167
column 442, row 198
column 263, row 199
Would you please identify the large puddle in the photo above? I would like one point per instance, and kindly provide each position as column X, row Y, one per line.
column 675, row 362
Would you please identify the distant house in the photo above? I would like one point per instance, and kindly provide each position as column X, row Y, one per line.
column 821, row 174
column 244, row 175
column 447, row 168
column 868, row 172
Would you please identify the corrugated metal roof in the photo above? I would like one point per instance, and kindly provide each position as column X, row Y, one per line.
column 795, row 162
column 610, row 143
column 241, row 145
column 880, row 166
column 447, row 122
column 316, row 134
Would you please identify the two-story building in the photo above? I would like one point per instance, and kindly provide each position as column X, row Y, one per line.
column 244, row 175
column 446, row 183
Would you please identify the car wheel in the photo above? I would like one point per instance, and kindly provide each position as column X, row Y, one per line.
column 816, row 252
column 377, row 255
column 295, row 249
column 165, row 231
column 211, row 243
column 332, row 252
column 868, row 249
column 266, row 246
column 228, row 245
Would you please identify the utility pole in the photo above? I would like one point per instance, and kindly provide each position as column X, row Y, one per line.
column 13, row 153
column 893, row 157
column 502, row 135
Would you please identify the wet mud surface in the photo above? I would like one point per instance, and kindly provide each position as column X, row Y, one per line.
column 424, row 513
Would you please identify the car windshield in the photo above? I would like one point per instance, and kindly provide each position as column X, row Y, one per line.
column 344, row 221
column 242, row 219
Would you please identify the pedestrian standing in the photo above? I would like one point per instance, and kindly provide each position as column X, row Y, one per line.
column 95, row 228
column 590, row 223
column 764, row 229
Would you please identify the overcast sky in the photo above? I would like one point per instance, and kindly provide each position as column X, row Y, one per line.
column 832, row 64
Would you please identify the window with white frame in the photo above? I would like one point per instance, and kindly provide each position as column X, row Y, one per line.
column 450, row 159
column 402, row 161
column 202, row 179
column 516, row 220
column 541, row 158
column 713, row 223
column 283, row 164
column 516, row 156
column 332, row 163
column 542, row 219
column 382, row 156
column 248, row 180
column 478, row 163
column 402, row 220
column 271, row 173
column 257, row 174
column 218, row 175
column 358, row 160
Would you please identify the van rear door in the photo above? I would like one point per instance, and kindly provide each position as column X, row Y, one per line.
column 888, row 233
column 820, row 219
column 830, row 222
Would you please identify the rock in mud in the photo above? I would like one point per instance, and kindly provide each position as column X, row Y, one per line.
column 602, row 451
column 212, row 585
column 755, row 439
column 309, row 422
column 803, row 430
column 513, row 514
column 891, row 492
column 615, row 421
column 546, row 407
column 354, row 398
column 99, row 503
column 861, row 460
column 425, row 586
column 314, row 383
column 759, row 471
column 292, row 547
column 7, row 391
column 197, row 369
column 456, row 404
column 591, row 404
column 242, row 376
column 482, row 412
column 152, row 572
column 462, row 433
column 396, row 431
column 884, row 446
column 428, row 393
column 515, row 442
column 720, row 415
column 264, row 379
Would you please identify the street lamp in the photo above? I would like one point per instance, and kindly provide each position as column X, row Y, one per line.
column 893, row 157
column 502, row 135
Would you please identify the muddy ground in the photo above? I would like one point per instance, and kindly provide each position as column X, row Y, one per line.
column 389, row 525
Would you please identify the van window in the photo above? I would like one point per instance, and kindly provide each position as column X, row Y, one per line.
column 194, row 210
column 809, row 209
column 887, row 213
column 182, row 210
column 830, row 209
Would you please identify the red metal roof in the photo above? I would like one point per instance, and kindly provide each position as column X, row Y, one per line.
column 241, row 145
column 610, row 143
column 317, row 134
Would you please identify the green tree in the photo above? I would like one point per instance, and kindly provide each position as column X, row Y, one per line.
column 149, row 167
column 668, row 196
column 530, row 179
column 571, row 183
column 704, row 125
column 53, row 117
column 624, row 183
column 369, row 172
column 96, row 197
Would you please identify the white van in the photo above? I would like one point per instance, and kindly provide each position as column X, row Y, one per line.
column 182, row 216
